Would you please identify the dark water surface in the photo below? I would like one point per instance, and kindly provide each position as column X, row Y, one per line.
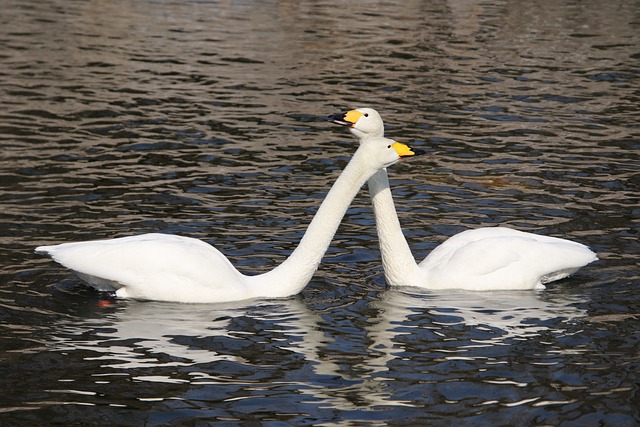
column 205, row 119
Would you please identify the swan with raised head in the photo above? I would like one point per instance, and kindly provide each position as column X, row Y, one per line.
column 167, row 267
column 482, row 259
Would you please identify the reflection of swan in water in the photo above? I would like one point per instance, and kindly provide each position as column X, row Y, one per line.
column 141, row 335
column 137, row 338
column 497, row 318
column 336, row 369
column 152, row 334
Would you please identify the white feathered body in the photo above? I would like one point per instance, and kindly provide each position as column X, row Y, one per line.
column 483, row 259
column 153, row 266
column 494, row 258
column 174, row 268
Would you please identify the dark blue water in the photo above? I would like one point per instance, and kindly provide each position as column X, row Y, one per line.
column 206, row 119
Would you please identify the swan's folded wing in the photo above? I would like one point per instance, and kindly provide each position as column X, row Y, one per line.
column 506, row 262
column 148, row 265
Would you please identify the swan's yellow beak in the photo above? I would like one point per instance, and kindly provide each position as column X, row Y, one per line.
column 346, row 119
column 404, row 150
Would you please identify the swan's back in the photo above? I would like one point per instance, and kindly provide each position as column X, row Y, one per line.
column 152, row 266
column 502, row 258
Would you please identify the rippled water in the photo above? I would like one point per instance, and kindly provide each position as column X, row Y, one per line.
column 206, row 119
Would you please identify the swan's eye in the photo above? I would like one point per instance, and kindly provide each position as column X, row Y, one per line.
column 388, row 146
column 366, row 114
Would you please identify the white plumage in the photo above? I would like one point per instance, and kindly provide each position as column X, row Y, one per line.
column 489, row 258
column 182, row 269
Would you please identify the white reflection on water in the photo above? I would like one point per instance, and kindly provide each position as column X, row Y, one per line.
column 148, row 334
column 503, row 317
column 139, row 338
column 142, row 335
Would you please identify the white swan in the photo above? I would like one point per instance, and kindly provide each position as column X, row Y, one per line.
column 490, row 258
column 174, row 268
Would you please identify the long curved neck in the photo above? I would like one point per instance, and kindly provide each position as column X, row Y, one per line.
column 296, row 271
column 400, row 268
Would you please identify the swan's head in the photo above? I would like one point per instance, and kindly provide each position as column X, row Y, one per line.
column 383, row 152
column 363, row 123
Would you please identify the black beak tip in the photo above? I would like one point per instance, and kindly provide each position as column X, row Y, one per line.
column 338, row 119
column 418, row 152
